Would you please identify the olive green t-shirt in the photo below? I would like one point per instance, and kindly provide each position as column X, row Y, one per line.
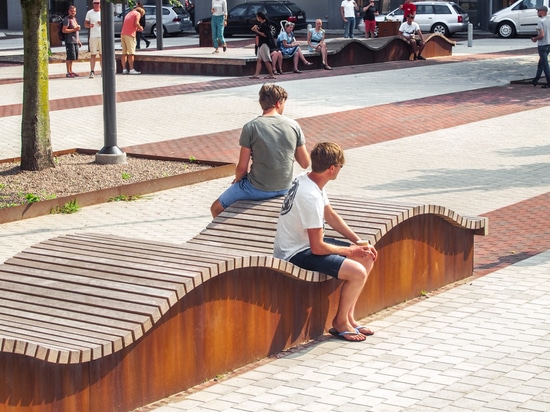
column 273, row 141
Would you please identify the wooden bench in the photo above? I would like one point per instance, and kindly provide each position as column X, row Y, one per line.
column 105, row 323
column 341, row 52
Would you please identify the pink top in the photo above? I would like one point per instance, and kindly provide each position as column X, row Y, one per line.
column 130, row 23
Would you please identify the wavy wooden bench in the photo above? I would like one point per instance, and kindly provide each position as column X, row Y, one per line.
column 342, row 52
column 106, row 323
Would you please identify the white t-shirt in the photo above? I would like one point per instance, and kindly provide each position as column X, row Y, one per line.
column 303, row 209
column 544, row 24
column 93, row 17
column 409, row 29
column 220, row 7
column 349, row 9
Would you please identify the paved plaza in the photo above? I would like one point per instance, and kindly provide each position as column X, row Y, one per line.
column 450, row 131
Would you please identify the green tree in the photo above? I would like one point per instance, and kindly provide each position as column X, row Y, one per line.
column 36, row 146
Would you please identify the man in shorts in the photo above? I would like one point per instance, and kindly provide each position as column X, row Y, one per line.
column 410, row 32
column 71, row 28
column 128, row 39
column 300, row 238
column 273, row 142
column 92, row 21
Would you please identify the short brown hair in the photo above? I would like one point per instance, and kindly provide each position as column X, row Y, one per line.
column 325, row 155
column 271, row 94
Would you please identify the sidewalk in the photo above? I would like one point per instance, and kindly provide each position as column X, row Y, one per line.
column 482, row 345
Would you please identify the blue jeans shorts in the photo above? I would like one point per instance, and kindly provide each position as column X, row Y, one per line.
column 329, row 264
column 243, row 190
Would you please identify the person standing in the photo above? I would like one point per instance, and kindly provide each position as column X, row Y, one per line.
column 92, row 21
column 347, row 9
column 408, row 8
column 139, row 34
column 543, row 39
column 71, row 28
column 272, row 141
column 130, row 27
column 265, row 44
column 300, row 239
column 219, row 21
column 369, row 19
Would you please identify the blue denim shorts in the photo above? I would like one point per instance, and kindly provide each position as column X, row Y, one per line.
column 329, row 264
column 243, row 190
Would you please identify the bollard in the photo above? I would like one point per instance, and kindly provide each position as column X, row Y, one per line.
column 470, row 34
column 308, row 27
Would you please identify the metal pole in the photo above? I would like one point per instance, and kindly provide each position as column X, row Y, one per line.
column 470, row 34
column 110, row 153
column 160, row 29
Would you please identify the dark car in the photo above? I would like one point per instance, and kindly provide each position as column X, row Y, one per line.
column 242, row 17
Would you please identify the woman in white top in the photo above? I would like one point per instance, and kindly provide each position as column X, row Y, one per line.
column 219, row 20
column 316, row 42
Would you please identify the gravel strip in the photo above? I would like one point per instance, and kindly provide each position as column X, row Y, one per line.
column 77, row 173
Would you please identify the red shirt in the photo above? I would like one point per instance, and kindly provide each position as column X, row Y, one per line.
column 130, row 22
column 408, row 8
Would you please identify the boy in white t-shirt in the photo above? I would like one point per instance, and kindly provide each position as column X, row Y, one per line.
column 410, row 32
column 300, row 238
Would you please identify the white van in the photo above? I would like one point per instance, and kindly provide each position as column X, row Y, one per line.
column 519, row 18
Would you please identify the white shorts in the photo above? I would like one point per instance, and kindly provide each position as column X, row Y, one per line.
column 263, row 53
column 95, row 45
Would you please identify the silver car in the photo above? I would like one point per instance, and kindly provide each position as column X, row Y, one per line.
column 441, row 17
column 174, row 20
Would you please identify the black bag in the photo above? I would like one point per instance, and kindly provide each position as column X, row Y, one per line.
column 60, row 31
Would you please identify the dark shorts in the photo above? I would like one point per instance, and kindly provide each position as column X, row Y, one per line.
column 329, row 264
column 72, row 51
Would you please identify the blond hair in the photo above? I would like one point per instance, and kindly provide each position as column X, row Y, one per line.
column 325, row 155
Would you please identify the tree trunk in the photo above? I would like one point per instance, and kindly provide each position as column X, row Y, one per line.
column 36, row 147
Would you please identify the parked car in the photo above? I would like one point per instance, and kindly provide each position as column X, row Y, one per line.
column 519, row 18
column 174, row 20
column 441, row 17
column 242, row 17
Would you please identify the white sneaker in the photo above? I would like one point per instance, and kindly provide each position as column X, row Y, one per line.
column 92, row 75
column 125, row 71
column 134, row 71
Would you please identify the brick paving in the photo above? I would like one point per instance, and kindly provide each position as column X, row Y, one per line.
column 507, row 243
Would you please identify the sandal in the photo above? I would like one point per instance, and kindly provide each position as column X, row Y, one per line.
column 269, row 77
column 254, row 77
column 308, row 63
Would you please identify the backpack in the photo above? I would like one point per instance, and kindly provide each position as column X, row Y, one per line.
column 60, row 29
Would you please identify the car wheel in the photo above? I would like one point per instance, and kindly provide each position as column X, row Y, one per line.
column 154, row 31
column 506, row 30
column 273, row 30
column 440, row 28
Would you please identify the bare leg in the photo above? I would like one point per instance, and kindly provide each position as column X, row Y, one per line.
column 123, row 61
column 216, row 208
column 131, row 62
column 258, row 67
column 354, row 274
